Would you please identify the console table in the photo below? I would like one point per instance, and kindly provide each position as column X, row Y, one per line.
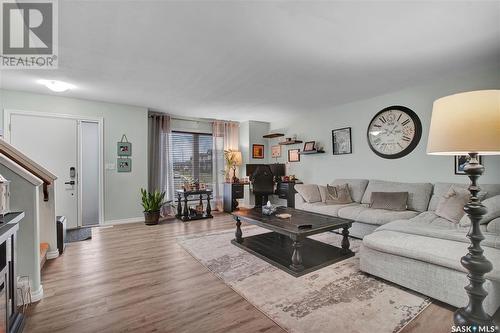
column 187, row 214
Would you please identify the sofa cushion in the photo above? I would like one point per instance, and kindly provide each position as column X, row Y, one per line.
column 357, row 187
column 492, row 204
column 494, row 226
column 451, row 205
column 338, row 194
column 323, row 208
column 365, row 214
column 310, row 192
column 430, row 225
column 418, row 193
column 489, row 190
column 389, row 200
column 442, row 252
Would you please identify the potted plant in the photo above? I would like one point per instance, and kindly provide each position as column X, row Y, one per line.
column 152, row 202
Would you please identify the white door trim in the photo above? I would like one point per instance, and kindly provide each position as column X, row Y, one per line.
column 7, row 114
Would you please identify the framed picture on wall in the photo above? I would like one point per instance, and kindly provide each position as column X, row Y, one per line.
column 341, row 141
column 124, row 165
column 309, row 146
column 293, row 155
column 276, row 151
column 258, row 151
column 461, row 161
column 124, row 148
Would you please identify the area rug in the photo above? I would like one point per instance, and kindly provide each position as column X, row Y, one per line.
column 337, row 298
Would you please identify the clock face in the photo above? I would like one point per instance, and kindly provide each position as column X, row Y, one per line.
column 394, row 132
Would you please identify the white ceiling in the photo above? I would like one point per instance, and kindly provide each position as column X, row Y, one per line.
column 256, row 60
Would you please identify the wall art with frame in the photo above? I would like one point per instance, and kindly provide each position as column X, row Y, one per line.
column 342, row 141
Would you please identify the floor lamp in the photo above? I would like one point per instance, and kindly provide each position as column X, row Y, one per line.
column 469, row 124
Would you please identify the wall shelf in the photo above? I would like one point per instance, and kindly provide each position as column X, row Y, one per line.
column 312, row 152
column 290, row 142
column 273, row 135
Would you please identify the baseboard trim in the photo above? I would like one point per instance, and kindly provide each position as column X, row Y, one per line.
column 52, row 254
column 37, row 295
column 123, row 221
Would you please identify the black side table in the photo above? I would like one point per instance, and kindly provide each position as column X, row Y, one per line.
column 184, row 213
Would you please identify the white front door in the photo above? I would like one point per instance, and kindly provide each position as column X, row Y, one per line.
column 53, row 143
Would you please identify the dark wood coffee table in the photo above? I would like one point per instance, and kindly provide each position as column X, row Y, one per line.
column 288, row 247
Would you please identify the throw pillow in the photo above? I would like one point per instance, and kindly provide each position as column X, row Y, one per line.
column 322, row 192
column 338, row 195
column 389, row 200
column 309, row 192
column 451, row 205
column 492, row 204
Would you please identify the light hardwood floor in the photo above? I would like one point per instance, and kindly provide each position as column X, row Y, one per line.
column 136, row 278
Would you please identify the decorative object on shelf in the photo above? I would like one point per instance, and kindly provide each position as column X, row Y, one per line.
column 4, row 196
column 309, row 146
column 273, row 135
column 152, row 202
column 257, row 151
column 461, row 161
column 124, row 164
column 233, row 159
column 293, row 155
column 290, row 141
column 394, row 132
column 342, row 141
column 276, row 151
column 124, row 148
column 461, row 123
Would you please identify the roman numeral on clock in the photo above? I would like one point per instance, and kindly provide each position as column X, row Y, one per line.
column 406, row 122
column 406, row 138
column 382, row 119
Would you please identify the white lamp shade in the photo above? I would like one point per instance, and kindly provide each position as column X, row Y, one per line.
column 466, row 123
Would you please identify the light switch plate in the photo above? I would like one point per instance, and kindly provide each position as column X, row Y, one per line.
column 110, row 166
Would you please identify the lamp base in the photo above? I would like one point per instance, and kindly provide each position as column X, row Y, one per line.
column 464, row 317
column 474, row 261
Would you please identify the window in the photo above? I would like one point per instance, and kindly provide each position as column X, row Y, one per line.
column 192, row 157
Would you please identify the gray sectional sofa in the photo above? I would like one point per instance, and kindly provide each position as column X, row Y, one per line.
column 415, row 248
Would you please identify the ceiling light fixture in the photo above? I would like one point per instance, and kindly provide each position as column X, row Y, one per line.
column 56, row 86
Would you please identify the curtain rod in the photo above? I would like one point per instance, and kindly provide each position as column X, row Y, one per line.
column 176, row 117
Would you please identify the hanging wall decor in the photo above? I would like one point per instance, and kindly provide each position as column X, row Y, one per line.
column 124, row 165
column 124, row 148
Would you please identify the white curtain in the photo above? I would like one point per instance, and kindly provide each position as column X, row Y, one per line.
column 226, row 135
column 161, row 174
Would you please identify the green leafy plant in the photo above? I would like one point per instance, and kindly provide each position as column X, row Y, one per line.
column 230, row 162
column 152, row 201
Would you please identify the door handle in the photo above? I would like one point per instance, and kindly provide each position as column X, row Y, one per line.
column 71, row 182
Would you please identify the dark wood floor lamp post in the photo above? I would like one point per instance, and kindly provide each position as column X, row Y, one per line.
column 469, row 124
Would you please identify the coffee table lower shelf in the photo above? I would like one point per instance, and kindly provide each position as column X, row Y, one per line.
column 277, row 250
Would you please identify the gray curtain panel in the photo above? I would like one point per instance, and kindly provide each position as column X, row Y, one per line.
column 160, row 175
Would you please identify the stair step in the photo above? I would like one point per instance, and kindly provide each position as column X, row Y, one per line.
column 44, row 248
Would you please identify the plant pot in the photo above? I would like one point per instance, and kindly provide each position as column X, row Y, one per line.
column 151, row 218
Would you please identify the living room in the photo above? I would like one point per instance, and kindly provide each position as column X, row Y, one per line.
column 247, row 166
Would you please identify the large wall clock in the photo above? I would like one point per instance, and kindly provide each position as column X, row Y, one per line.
column 394, row 132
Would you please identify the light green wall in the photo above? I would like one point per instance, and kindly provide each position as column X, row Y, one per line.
column 121, row 190
column 363, row 163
